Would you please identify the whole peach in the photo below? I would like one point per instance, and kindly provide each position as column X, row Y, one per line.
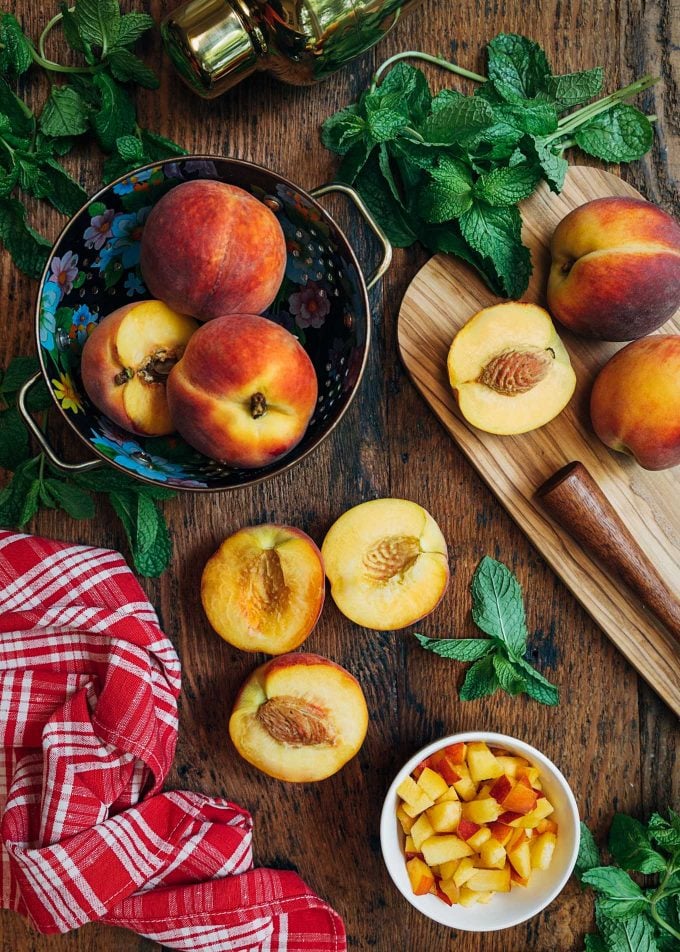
column 635, row 403
column 244, row 391
column 209, row 248
column 615, row 270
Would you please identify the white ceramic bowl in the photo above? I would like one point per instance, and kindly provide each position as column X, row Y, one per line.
column 504, row 909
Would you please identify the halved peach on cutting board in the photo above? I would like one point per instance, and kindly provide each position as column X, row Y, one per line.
column 387, row 563
column 509, row 370
column 126, row 362
column 264, row 588
column 299, row 717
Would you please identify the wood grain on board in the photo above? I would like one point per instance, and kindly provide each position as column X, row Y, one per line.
column 612, row 737
column 439, row 301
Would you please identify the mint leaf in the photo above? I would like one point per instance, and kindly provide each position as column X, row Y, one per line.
column 98, row 21
column 18, row 113
column 480, row 680
column 509, row 678
column 385, row 116
column 538, row 687
column 158, row 147
column 665, row 832
column 457, row 121
column 518, row 68
column 570, row 89
column 28, row 249
column 588, row 853
column 130, row 148
column 495, row 233
column 18, row 372
column 131, row 26
column 507, row 186
column 69, row 25
column 450, row 192
column 594, row 943
column 633, row 934
column 343, row 130
column 668, row 907
column 629, row 845
column 145, row 529
column 65, row 113
column 388, row 174
column 14, row 445
column 77, row 503
column 13, row 496
column 392, row 218
column 447, row 238
column 552, row 165
column 621, row 897
column 16, row 50
column 64, row 193
column 498, row 606
column 622, row 134
column 128, row 68
column 460, row 649
column 147, row 524
column 411, row 86
column 155, row 560
column 30, row 504
column 116, row 116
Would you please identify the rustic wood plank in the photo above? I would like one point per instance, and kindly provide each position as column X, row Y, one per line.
column 604, row 733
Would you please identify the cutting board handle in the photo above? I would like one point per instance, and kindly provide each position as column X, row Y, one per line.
column 576, row 502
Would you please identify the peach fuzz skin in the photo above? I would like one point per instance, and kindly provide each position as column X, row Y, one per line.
column 209, row 248
column 615, row 271
column 635, row 402
column 227, row 364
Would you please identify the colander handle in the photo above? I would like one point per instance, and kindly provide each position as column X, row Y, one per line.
column 42, row 439
column 370, row 221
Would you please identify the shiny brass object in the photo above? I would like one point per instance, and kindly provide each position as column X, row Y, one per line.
column 214, row 44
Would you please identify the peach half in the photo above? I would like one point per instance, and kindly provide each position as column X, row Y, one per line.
column 244, row 392
column 509, row 370
column 264, row 588
column 299, row 717
column 126, row 362
column 387, row 564
column 209, row 248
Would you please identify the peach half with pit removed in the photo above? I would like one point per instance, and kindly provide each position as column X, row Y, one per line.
column 299, row 717
column 509, row 370
column 126, row 362
column 263, row 590
column 387, row 564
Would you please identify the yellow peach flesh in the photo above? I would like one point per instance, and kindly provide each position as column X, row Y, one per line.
column 387, row 563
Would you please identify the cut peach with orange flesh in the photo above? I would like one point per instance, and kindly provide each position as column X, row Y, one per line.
column 509, row 370
column 126, row 362
column 263, row 590
column 387, row 564
column 299, row 717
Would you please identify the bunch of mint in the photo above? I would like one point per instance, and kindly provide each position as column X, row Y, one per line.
column 630, row 917
column 449, row 170
column 499, row 660
column 93, row 101
column 36, row 483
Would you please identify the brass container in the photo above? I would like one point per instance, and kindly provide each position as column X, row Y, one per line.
column 214, row 44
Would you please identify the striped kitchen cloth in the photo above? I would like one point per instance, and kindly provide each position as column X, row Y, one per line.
column 88, row 727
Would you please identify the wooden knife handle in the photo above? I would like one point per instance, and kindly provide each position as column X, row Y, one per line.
column 576, row 502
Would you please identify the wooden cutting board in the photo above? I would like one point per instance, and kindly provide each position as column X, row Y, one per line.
column 441, row 298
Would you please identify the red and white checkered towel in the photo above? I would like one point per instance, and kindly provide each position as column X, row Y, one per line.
column 88, row 726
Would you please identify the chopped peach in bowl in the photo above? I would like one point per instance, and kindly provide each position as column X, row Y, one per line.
column 479, row 831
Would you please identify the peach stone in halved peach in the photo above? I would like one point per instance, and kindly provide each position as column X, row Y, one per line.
column 263, row 590
column 387, row 563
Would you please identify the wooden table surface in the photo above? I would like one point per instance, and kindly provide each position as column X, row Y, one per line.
column 612, row 737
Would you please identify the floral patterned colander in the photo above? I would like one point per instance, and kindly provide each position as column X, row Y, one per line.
column 94, row 269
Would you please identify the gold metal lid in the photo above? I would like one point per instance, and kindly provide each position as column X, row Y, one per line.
column 210, row 45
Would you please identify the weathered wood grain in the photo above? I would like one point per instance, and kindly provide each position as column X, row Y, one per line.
column 613, row 738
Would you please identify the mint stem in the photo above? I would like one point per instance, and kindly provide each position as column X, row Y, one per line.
column 428, row 58
column 576, row 119
column 659, row 894
column 42, row 60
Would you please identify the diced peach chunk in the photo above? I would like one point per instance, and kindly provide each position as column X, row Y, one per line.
column 546, row 826
column 490, row 880
column 481, row 762
column 420, row 876
column 405, row 820
column 422, row 804
column 542, row 849
column 466, row 828
column 466, row 788
column 410, row 848
column 443, row 847
column 521, row 799
column 482, row 811
column 444, row 816
column 501, row 832
column 478, row 839
column 449, row 868
column 409, row 791
column 468, row 897
column 520, row 857
column 529, row 773
column 432, row 784
column 466, row 868
column 492, row 853
column 501, row 788
column 516, row 878
column 452, row 891
column 421, row 831
column 449, row 795
column 437, row 891
column 542, row 809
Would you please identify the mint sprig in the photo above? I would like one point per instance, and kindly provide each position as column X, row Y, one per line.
column 93, row 101
column 449, row 170
column 35, row 484
column 499, row 660
column 630, row 917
